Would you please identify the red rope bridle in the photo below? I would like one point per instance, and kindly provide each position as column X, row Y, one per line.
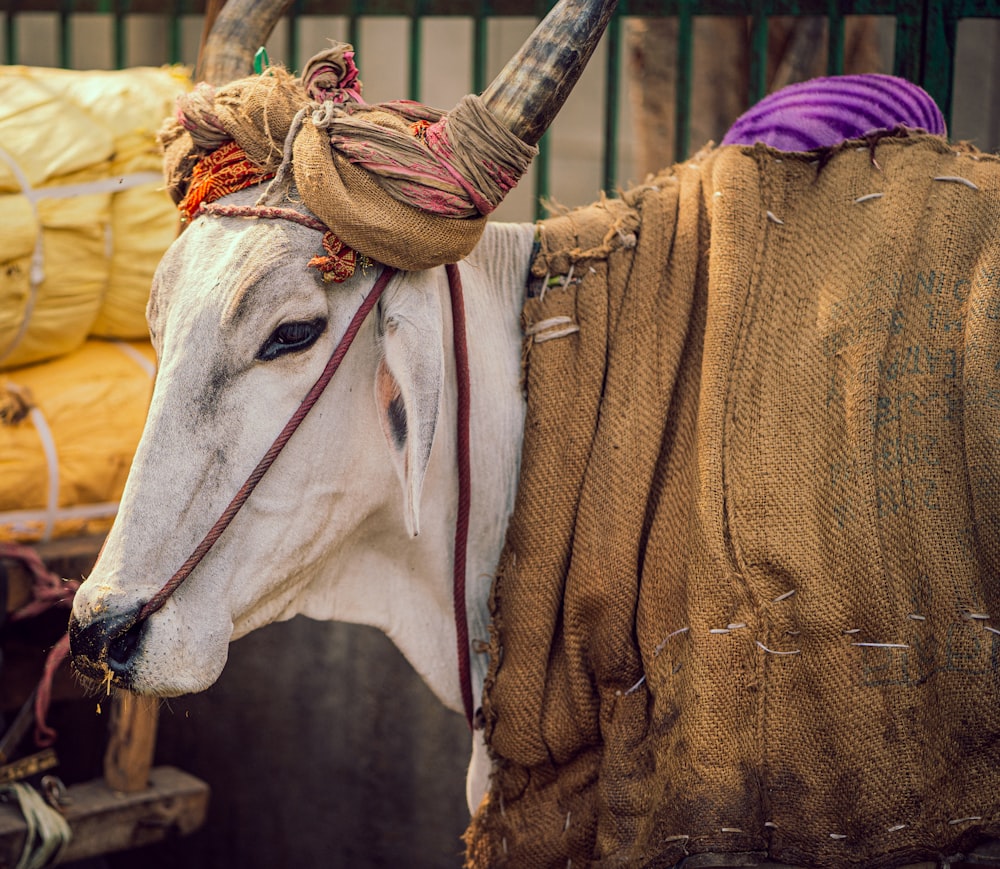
column 464, row 488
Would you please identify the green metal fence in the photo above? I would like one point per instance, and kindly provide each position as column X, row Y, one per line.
column 924, row 44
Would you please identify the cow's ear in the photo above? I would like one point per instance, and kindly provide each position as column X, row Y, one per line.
column 409, row 380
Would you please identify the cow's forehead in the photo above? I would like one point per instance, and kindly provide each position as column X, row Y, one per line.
column 226, row 267
column 217, row 257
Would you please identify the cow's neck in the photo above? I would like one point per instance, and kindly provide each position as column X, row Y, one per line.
column 404, row 586
column 495, row 276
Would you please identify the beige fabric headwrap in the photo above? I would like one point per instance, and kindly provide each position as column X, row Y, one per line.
column 402, row 183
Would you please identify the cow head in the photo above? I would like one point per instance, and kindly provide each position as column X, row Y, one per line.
column 242, row 328
column 339, row 526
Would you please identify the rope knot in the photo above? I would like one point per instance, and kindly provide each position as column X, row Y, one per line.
column 325, row 114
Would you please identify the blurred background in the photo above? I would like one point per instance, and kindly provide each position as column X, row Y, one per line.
column 619, row 123
column 320, row 745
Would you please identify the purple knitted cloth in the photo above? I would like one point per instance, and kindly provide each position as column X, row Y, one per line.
column 823, row 112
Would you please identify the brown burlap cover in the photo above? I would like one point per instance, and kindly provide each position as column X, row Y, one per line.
column 749, row 599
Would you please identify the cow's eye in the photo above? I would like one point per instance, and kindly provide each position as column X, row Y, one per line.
column 291, row 337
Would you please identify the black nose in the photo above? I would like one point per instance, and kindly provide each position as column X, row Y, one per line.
column 106, row 646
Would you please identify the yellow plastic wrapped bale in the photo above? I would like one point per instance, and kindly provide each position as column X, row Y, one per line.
column 44, row 140
column 131, row 104
column 144, row 222
column 68, row 431
column 49, row 310
column 78, row 154
column 42, row 135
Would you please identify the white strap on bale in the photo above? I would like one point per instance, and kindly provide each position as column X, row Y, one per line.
column 52, row 512
column 60, row 191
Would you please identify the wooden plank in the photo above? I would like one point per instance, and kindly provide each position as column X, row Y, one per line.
column 105, row 820
column 129, row 755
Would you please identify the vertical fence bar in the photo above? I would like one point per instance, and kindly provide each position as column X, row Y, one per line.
column 543, row 162
column 612, row 79
column 685, row 61
column 65, row 36
column 542, row 170
column 940, row 33
column 758, row 53
column 416, row 40
column 836, row 45
column 354, row 26
column 10, row 33
column 174, row 33
column 906, row 62
column 480, row 36
column 120, row 39
column 292, row 42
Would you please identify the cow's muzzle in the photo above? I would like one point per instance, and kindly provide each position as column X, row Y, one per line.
column 105, row 648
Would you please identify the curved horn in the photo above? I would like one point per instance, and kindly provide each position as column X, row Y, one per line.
column 535, row 83
column 241, row 28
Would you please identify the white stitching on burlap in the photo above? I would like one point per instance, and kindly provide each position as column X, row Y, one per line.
column 661, row 646
column 957, row 179
column 868, row 197
column 634, row 688
column 775, row 652
column 545, row 330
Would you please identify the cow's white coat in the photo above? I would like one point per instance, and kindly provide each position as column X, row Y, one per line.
column 329, row 532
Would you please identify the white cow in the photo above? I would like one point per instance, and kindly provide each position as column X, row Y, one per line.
column 356, row 519
column 343, row 526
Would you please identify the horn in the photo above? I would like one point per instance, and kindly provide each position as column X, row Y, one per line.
column 535, row 83
column 241, row 27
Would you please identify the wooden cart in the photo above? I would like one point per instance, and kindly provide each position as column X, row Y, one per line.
column 134, row 803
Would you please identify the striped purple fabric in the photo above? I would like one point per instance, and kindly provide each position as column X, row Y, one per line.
column 826, row 111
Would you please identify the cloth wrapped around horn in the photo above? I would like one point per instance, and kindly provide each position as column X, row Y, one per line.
column 405, row 184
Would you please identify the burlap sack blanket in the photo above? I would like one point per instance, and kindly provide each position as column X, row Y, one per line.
column 749, row 600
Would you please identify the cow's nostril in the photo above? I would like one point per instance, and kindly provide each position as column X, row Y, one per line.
column 123, row 647
column 106, row 645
